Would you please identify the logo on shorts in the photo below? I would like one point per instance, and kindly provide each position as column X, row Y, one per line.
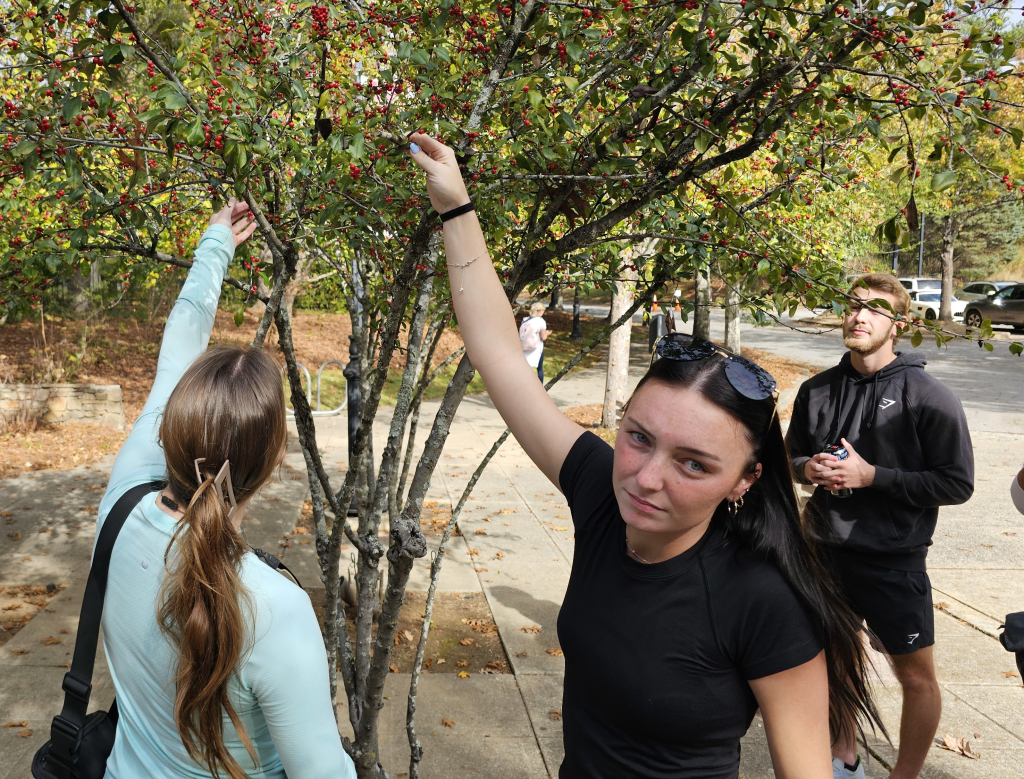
column 886, row 403
column 912, row 636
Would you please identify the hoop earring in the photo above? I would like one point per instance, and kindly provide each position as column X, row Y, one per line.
column 735, row 506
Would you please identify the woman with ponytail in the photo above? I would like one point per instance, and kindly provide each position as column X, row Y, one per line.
column 696, row 596
column 217, row 660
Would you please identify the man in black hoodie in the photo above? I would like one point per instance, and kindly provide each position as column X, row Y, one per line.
column 909, row 453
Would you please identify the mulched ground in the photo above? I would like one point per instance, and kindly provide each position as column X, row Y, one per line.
column 463, row 637
column 20, row 602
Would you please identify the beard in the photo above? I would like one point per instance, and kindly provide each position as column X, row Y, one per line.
column 864, row 344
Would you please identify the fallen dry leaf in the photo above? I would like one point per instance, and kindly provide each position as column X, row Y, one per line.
column 19, row 651
column 1009, row 674
column 466, row 641
column 554, row 652
column 447, row 722
column 473, row 552
column 479, row 569
column 49, row 640
column 5, row 513
column 393, row 667
column 463, row 674
column 461, row 663
column 481, row 532
column 427, row 663
column 499, row 555
column 14, row 535
column 555, row 714
column 441, row 660
column 407, row 635
column 21, row 724
column 24, row 733
column 531, row 628
column 554, row 527
column 524, row 653
column 959, row 746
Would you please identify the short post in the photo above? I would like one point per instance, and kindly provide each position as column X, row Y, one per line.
column 576, row 334
column 657, row 327
column 355, row 397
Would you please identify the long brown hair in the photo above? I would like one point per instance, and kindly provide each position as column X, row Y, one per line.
column 228, row 406
column 770, row 525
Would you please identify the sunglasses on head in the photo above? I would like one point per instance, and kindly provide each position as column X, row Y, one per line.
column 747, row 378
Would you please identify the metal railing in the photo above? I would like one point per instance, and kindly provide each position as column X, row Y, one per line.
column 318, row 412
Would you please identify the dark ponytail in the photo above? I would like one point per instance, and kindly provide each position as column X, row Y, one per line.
column 769, row 524
column 228, row 406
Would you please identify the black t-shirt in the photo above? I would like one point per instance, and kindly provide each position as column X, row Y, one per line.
column 657, row 657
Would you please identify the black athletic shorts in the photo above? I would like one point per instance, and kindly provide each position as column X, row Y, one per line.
column 897, row 605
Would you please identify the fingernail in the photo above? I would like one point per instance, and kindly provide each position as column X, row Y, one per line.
column 414, row 148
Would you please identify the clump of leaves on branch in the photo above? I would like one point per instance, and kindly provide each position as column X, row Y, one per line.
column 584, row 129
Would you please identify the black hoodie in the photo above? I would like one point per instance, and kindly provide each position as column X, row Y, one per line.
column 907, row 424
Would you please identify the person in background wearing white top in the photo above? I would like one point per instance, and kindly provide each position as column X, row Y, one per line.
column 1017, row 490
column 533, row 333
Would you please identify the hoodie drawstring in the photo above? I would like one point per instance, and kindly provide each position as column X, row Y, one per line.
column 874, row 405
column 833, row 432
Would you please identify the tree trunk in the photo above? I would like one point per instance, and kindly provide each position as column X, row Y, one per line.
column 81, row 300
column 732, row 319
column 556, row 299
column 94, row 275
column 950, row 232
column 617, row 380
column 298, row 281
column 702, row 306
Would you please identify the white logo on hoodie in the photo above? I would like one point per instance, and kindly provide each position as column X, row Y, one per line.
column 886, row 403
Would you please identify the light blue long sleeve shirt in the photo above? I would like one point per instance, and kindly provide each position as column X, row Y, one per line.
column 281, row 691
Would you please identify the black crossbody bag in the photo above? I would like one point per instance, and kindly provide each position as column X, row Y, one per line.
column 79, row 745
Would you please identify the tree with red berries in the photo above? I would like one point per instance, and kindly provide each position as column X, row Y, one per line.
column 584, row 129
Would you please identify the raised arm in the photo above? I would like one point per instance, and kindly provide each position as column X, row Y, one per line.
column 486, row 322
column 186, row 336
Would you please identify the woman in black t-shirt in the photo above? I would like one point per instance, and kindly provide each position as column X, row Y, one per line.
column 695, row 598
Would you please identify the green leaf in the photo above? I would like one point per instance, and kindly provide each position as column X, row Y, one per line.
column 1016, row 347
column 404, row 50
column 916, row 339
column 574, row 49
column 24, row 148
column 943, row 180
column 442, row 53
column 572, row 84
column 72, row 106
column 112, row 54
column 702, row 142
column 239, row 317
column 356, row 147
column 165, row 26
column 194, row 135
column 420, row 57
column 174, row 101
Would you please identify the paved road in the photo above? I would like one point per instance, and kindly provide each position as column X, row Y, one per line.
column 504, row 723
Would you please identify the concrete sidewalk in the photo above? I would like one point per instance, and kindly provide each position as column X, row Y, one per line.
column 507, row 725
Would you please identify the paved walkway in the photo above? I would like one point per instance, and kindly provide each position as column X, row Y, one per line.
column 506, row 725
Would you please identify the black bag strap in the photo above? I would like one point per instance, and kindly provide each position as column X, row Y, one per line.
column 66, row 730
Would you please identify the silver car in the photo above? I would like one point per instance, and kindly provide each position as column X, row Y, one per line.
column 981, row 289
column 1006, row 307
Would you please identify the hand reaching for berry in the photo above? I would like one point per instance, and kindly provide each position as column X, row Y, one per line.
column 237, row 216
column 444, row 179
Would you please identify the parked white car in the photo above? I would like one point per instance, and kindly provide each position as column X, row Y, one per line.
column 921, row 284
column 926, row 305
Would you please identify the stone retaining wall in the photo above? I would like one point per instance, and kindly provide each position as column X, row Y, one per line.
column 89, row 403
